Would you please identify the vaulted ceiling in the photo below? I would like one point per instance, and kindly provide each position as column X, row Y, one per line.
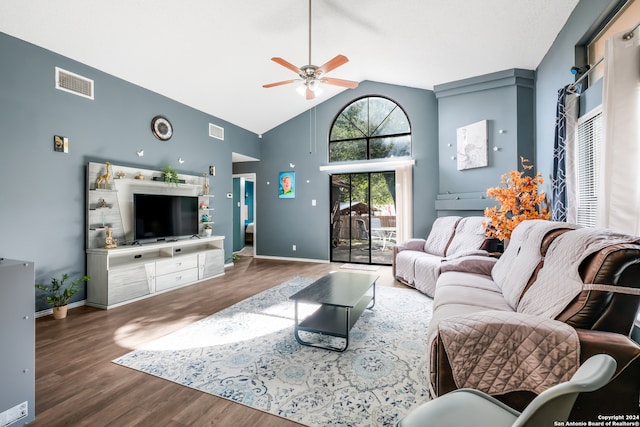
column 214, row 55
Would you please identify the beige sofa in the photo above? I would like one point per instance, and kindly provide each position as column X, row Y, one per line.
column 515, row 326
column 416, row 262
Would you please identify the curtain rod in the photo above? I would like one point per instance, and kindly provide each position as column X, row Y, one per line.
column 626, row 36
column 629, row 34
column 586, row 73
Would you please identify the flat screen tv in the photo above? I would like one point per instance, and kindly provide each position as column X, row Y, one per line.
column 161, row 216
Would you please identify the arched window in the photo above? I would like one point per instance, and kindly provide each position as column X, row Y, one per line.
column 370, row 128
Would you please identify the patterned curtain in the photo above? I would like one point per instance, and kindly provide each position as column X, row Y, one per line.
column 563, row 167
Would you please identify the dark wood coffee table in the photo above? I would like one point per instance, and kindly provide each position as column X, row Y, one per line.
column 342, row 296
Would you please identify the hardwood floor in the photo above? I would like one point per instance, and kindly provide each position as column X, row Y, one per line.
column 77, row 385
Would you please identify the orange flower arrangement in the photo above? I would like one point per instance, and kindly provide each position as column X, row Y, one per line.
column 519, row 200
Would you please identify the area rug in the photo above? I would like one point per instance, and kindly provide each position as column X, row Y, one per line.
column 365, row 267
column 247, row 353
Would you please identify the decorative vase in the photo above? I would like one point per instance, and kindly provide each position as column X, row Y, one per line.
column 60, row 312
column 208, row 231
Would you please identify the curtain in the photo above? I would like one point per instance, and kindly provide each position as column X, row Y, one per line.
column 404, row 202
column 619, row 198
column 563, row 206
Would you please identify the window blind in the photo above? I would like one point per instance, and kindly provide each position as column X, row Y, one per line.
column 588, row 145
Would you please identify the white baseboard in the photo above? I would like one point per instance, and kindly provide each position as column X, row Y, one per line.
column 322, row 261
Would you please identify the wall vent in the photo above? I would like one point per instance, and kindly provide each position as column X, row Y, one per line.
column 216, row 131
column 73, row 83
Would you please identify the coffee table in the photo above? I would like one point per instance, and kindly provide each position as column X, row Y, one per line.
column 342, row 296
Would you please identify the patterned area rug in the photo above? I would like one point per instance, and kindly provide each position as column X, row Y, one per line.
column 247, row 353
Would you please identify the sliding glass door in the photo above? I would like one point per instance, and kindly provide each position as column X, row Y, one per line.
column 363, row 217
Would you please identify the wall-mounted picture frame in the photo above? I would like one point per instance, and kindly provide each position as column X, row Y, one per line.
column 472, row 146
column 287, row 187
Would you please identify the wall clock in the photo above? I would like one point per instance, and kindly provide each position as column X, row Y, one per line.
column 161, row 128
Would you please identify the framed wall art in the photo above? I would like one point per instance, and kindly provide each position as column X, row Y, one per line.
column 472, row 146
column 287, row 187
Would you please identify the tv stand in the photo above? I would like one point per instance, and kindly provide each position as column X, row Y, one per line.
column 126, row 274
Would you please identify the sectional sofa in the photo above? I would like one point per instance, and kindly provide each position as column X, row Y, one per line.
column 515, row 325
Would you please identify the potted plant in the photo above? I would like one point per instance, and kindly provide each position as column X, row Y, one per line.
column 59, row 296
column 170, row 175
column 208, row 230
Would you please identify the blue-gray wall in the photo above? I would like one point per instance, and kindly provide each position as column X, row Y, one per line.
column 554, row 73
column 42, row 208
column 303, row 141
column 505, row 100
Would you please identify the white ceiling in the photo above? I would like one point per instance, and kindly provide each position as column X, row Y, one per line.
column 215, row 55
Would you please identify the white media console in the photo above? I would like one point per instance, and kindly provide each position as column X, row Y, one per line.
column 131, row 272
column 127, row 274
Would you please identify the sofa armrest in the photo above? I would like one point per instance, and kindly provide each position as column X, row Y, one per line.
column 411, row 245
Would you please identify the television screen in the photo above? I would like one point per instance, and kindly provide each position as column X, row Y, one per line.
column 161, row 216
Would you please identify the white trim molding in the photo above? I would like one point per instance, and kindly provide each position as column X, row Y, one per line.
column 368, row 166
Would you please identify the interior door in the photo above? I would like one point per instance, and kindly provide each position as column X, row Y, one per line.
column 362, row 217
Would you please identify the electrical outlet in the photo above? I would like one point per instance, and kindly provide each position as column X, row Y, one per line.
column 14, row 414
column 294, row 248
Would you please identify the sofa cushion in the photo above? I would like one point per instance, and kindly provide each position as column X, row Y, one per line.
column 469, row 234
column 475, row 296
column 441, row 234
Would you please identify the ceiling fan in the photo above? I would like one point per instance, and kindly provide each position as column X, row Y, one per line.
column 313, row 76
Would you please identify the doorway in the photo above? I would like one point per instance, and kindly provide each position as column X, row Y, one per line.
column 363, row 217
column 244, row 214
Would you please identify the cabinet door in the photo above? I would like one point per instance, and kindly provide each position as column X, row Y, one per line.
column 211, row 263
column 126, row 283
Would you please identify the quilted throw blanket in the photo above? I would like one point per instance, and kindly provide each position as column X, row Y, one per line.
column 498, row 352
column 520, row 259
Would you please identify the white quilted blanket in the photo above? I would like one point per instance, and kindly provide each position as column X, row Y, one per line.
column 545, row 297
column 518, row 262
column 499, row 352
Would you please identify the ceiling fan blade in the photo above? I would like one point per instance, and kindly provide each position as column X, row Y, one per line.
column 339, row 82
column 279, row 83
column 333, row 64
column 310, row 94
column 286, row 65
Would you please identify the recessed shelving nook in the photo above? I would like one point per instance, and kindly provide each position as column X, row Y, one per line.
column 139, row 269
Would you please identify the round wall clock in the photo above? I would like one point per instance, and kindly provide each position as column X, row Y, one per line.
column 161, row 128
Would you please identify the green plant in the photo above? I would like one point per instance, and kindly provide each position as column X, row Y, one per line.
column 170, row 175
column 59, row 295
column 208, row 227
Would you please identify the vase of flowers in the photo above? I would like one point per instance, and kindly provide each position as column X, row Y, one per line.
column 519, row 200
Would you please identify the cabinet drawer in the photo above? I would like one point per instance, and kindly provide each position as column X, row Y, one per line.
column 176, row 264
column 129, row 283
column 178, row 278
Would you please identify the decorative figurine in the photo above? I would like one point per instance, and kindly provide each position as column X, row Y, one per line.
column 120, row 174
column 205, row 186
column 104, row 179
column 110, row 242
column 139, row 176
column 102, row 204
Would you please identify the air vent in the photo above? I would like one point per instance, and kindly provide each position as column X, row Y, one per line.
column 216, row 131
column 73, row 83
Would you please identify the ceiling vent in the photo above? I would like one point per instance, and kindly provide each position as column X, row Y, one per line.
column 73, row 83
column 216, row 131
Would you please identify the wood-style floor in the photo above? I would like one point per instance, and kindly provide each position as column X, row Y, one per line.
column 77, row 385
